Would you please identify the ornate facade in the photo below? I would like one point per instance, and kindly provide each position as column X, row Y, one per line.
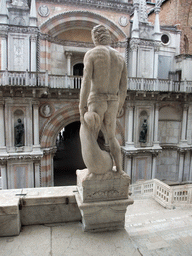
column 42, row 49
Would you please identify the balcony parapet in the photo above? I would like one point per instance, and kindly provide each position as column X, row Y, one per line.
column 43, row 80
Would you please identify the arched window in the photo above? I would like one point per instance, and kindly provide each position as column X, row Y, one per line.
column 78, row 69
column 186, row 44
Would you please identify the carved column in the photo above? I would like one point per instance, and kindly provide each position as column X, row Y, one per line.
column 3, row 168
column 156, row 62
column 68, row 54
column 129, row 126
column 190, row 170
column 156, row 128
column 128, row 164
column 37, row 174
column 134, row 47
column 33, row 53
column 184, row 123
column 134, row 63
column 3, row 52
column 154, row 161
column 36, row 125
column 2, row 128
column 181, row 164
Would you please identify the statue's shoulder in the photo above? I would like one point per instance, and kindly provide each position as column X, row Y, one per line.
column 89, row 53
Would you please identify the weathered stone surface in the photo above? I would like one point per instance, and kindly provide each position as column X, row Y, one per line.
column 102, row 199
column 9, row 216
column 49, row 205
column 103, row 216
column 109, row 186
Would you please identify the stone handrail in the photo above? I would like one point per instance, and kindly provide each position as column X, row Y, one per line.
column 147, row 84
column 167, row 196
column 40, row 79
column 43, row 79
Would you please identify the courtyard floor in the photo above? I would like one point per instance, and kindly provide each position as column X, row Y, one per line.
column 150, row 229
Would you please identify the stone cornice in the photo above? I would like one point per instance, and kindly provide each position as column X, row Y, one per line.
column 102, row 4
column 135, row 42
column 176, row 147
column 137, row 151
column 4, row 29
column 19, row 156
column 56, row 40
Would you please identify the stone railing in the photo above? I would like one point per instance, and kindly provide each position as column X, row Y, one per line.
column 144, row 84
column 40, row 79
column 43, row 79
column 167, row 196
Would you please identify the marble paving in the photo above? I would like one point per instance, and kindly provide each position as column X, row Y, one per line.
column 150, row 230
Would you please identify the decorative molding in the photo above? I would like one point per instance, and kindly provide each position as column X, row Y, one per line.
column 4, row 29
column 43, row 10
column 56, row 40
column 102, row 4
column 46, row 110
column 89, row 17
column 137, row 151
column 47, row 151
column 20, row 156
column 123, row 21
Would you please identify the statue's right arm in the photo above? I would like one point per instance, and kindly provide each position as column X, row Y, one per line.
column 86, row 84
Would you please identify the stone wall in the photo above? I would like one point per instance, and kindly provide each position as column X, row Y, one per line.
column 167, row 165
column 177, row 13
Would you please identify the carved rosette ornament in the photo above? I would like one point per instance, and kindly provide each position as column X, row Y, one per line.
column 43, row 11
column 123, row 21
column 46, row 110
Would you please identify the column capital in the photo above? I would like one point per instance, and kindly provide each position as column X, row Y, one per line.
column 157, row 106
column 185, row 107
column 33, row 38
column 35, row 103
column 68, row 54
column 129, row 105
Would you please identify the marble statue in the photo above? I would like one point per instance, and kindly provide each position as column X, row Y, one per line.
column 143, row 133
column 19, row 132
column 102, row 96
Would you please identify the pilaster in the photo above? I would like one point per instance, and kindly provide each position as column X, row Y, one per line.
column 68, row 55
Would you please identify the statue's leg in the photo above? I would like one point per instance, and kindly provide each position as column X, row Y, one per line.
column 99, row 108
column 110, row 125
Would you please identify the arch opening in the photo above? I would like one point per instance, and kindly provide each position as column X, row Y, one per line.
column 78, row 69
column 68, row 157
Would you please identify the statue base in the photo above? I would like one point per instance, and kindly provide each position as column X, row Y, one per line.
column 102, row 200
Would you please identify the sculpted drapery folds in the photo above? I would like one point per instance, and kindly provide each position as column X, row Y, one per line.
column 102, row 96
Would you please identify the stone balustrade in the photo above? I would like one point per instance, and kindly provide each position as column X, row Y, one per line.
column 167, row 196
column 43, row 79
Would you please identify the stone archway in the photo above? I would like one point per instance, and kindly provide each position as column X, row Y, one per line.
column 69, row 113
column 80, row 19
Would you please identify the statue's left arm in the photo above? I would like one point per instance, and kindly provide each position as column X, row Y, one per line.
column 122, row 88
column 86, row 85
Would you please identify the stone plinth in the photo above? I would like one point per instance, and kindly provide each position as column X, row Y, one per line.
column 106, row 187
column 102, row 200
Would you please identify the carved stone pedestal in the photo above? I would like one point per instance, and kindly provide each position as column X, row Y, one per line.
column 102, row 200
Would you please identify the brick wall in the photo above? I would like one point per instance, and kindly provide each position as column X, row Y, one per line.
column 178, row 12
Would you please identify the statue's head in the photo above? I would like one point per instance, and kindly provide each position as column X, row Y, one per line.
column 19, row 120
column 101, row 35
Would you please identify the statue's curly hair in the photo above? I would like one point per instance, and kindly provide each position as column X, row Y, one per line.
column 101, row 35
